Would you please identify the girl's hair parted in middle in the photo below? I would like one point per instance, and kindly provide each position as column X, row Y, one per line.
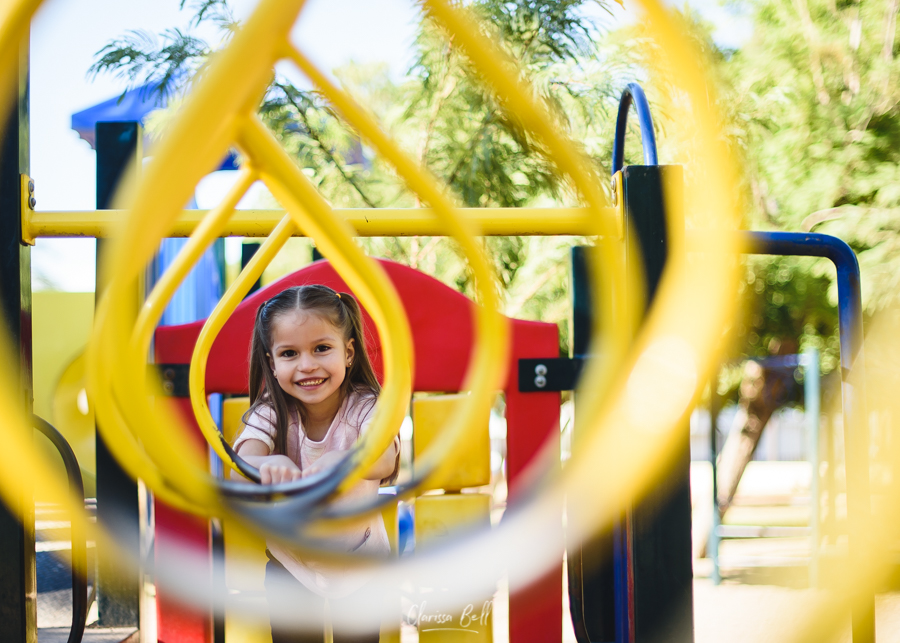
column 342, row 311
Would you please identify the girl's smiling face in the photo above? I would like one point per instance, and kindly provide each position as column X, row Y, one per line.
column 310, row 359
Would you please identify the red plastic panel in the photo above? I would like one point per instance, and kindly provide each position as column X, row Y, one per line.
column 440, row 317
column 532, row 424
column 177, row 532
column 442, row 327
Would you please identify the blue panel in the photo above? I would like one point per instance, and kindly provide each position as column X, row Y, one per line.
column 199, row 292
column 132, row 106
column 197, row 296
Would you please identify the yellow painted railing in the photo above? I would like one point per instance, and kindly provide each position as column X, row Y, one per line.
column 383, row 222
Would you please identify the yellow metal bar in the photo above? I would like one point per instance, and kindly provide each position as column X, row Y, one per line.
column 487, row 364
column 214, row 324
column 366, row 278
column 382, row 222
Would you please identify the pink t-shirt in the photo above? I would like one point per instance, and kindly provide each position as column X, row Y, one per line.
column 367, row 536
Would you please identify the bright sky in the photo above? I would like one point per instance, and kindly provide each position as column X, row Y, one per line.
column 67, row 33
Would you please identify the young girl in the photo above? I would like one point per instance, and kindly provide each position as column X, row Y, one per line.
column 313, row 394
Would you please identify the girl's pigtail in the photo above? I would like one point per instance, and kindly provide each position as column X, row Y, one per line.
column 264, row 389
column 361, row 375
column 258, row 361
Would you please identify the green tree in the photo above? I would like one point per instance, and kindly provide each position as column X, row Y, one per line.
column 443, row 116
column 813, row 100
column 817, row 89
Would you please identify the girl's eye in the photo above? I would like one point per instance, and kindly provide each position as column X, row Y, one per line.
column 321, row 348
column 288, row 353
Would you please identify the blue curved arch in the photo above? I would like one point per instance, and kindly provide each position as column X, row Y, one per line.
column 634, row 94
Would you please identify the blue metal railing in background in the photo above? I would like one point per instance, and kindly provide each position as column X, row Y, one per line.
column 856, row 431
column 809, row 362
column 634, row 94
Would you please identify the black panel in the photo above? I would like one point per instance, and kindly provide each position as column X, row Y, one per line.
column 646, row 221
column 661, row 521
column 118, row 596
column 247, row 252
column 590, row 567
column 18, row 616
column 582, row 301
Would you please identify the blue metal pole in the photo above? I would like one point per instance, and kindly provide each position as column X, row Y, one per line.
column 812, row 396
column 656, row 533
column 713, row 544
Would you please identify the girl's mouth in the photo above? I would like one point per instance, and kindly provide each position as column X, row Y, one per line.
column 311, row 383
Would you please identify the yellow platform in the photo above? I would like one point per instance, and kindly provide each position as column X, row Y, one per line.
column 438, row 517
column 429, row 414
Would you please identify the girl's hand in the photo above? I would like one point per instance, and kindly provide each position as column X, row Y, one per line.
column 327, row 460
column 276, row 469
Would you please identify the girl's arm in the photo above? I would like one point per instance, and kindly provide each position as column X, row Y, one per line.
column 273, row 469
column 383, row 467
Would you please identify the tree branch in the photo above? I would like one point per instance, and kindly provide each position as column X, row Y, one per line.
column 328, row 153
column 809, row 32
column 488, row 118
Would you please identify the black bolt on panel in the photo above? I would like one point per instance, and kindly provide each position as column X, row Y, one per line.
column 175, row 378
column 548, row 374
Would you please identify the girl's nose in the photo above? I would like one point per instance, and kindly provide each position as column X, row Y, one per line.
column 307, row 363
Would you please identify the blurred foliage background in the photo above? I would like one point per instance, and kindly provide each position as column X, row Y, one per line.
column 809, row 103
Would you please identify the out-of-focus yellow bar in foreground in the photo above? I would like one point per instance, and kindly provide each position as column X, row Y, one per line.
column 397, row 222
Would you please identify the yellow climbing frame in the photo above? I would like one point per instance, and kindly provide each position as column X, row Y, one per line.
column 625, row 439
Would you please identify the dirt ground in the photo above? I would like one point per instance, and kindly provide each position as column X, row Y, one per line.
column 735, row 613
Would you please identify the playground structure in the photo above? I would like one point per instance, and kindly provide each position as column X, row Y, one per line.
column 809, row 362
column 637, row 267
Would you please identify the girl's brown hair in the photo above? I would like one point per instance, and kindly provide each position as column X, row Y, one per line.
column 342, row 311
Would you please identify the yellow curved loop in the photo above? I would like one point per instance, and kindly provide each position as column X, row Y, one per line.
column 365, row 277
column 207, row 232
column 487, row 366
column 163, row 447
column 625, row 439
column 116, row 434
column 135, row 405
column 213, row 325
column 207, row 127
column 613, row 324
column 179, row 462
column 168, row 450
